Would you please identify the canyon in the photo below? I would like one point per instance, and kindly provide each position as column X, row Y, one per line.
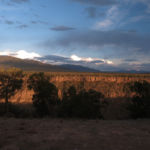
column 116, row 90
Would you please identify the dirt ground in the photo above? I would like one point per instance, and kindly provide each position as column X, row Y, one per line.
column 59, row 134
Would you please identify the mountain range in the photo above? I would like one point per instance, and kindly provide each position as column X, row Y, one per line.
column 7, row 62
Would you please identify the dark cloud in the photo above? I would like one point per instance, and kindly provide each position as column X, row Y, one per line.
column 33, row 22
column 62, row 28
column 54, row 58
column 116, row 38
column 130, row 60
column 92, row 12
column 132, row 31
column 22, row 26
column 36, row 15
column 96, row 2
column 145, row 66
column 9, row 4
column 2, row 17
column 42, row 5
column 102, row 14
column 20, row 1
column 9, row 22
column 43, row 22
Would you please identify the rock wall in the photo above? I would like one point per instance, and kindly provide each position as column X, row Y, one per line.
column 115, row 89
column 111, row 87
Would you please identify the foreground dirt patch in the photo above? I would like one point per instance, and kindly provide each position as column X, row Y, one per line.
column 57, row 134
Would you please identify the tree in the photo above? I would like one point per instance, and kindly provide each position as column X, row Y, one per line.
column 10, row 81
column 82, row 105
column 45, row 95
column 140, row 107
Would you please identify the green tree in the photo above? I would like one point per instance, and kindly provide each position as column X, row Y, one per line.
column 45, row 96
column 140, row 107
column 10, row 81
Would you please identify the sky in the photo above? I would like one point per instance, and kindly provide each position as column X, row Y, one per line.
column 107, row 35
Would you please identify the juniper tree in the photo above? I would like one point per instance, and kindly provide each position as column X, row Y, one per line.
column 45, row 95
column 10, row 81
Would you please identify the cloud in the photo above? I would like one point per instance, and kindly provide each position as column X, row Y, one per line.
column 22, row 26
column 20, row 1
column 102, row 24
column 33, row 22
column 62, row 28
column 113, row 17
column 95, row 2
column 20, row 54
column 122, row 40
column 42, row 5
column 43, row 22
column 102, row 14
column 95, row 63
column 36, row 15
column 145, row 2
column 132, row 31
column 137, row 18
column 57, row 59
column 73, row 59
column 92, row 12
column 130, row 60
column 9, row 22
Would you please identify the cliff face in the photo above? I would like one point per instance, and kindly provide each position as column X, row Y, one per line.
column 111, row 87
column 116, row 91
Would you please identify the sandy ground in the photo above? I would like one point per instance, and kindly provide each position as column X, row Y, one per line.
column 57, row 134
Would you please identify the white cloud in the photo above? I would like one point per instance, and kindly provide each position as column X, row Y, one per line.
column 103, row 24
column 20, row 54
column 75, row 58
column 114, row 15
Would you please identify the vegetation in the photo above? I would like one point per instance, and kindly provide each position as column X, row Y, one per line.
column 82, row 74
column 82, row 105
column 78, row 100
column 140, row 107
column 18, row 110
column 46, row 94
column 10, row 81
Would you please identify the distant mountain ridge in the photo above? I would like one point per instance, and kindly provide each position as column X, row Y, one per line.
column 131, row 71
column 80, row 68
column 7, row 62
